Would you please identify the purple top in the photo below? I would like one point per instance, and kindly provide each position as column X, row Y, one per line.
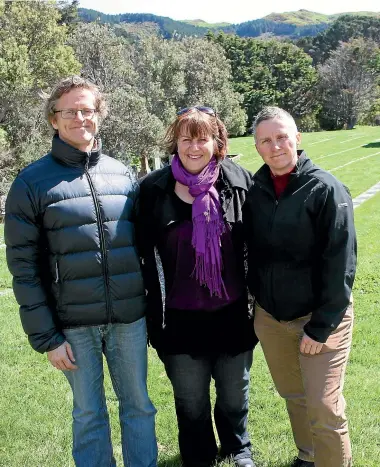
column 183, row 292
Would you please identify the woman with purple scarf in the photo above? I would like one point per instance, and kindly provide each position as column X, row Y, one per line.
column 191, row 239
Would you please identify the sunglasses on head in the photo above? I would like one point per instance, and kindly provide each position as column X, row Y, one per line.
column 206, row 110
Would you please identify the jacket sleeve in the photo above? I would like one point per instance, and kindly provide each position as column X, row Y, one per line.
column 146, row 233
column 135, row 196
column 24, row 257
column 335, row 224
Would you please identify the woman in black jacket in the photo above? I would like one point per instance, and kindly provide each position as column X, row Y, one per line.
column 190, row 231
column 301, row 243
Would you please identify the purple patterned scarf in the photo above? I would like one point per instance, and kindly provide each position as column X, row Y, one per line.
column 208, row 223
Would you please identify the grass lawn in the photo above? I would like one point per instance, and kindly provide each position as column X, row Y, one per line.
column 35, row 399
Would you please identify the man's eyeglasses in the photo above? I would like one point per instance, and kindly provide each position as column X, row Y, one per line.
column 70, row 114
column 206, row 110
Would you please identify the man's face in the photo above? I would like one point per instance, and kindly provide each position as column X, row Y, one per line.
column 79, row 132
column 276, row 142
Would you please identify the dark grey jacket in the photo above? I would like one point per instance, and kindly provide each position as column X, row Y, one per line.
column 71, row 244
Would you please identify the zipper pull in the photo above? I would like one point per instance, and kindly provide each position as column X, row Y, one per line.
column 87, row 161
column 56, row 273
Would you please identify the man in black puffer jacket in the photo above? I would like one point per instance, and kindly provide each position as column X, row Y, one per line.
column 76, row 276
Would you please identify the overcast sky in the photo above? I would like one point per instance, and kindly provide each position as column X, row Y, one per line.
column 231, row 11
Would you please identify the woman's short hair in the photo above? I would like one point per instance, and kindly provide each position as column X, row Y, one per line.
column 270, row 113
column 68, row 84
column 197, row 123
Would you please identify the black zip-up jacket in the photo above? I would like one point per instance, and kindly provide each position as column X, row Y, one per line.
column 156, row 212
column 71, row 244
column 301, row 247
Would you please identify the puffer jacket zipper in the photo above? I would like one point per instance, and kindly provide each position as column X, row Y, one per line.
column 56, row 272
column 103, row 250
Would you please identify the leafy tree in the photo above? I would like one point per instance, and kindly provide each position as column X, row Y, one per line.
column 343, row 29
column 306, row 43
column 5, row 163
column 180, row 73
column 105, row 57
column 270, row 73
column 33, row 56
column 148, row 79
column 349, row 83
column 138, row 78
column 135, row 31
column 160, row 66
column 208, row 81
column 131, row 130
column 372, row 117
column 68, row 10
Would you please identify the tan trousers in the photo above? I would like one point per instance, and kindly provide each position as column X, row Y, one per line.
column 311, row 386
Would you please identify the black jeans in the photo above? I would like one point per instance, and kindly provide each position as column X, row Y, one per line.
column 191, row 378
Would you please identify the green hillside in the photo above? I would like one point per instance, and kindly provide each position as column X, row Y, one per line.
column 375, row 14
column 167, row 26
column 294, row 24
column 299, row 18
column 203, row 24
column 307, row 18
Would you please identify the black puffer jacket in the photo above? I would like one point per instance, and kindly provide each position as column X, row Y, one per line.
column 71, row 244
column 301, row 248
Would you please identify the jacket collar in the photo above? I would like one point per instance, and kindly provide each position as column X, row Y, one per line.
column 166, row 181
column 73, row 157
column 229, row 171
column 303, row 163
column 232, row 173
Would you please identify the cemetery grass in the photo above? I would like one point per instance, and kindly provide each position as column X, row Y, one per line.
column 35, row 399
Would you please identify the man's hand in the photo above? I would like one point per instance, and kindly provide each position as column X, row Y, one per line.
column 62, row 357
column 310, row 346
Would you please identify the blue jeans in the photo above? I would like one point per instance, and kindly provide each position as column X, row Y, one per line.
column 124, row 346
column 191, row 378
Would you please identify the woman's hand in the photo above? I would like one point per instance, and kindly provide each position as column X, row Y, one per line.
column 310, row 346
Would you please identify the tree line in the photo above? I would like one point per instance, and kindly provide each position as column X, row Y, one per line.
column 324, row 82
column 332, row 87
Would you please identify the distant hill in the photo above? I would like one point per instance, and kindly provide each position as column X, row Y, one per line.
column 293, row 25
column 167, row 26
column 299, row 18
column 204, row 24
column 307, row 18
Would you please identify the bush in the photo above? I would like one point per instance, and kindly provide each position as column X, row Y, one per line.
column 372, row 117
column 329, row 122
column 308, row 123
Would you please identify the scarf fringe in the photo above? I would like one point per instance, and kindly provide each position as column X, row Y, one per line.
column 208, row 264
